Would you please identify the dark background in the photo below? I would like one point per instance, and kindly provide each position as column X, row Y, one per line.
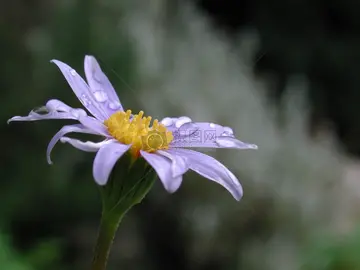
column 318, row 38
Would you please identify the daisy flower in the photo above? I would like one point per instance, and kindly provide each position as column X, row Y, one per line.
column 163, row 144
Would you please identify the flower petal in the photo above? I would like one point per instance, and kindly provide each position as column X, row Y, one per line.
column 212, row 169
column 229, row 142
column 86, row 146
column 179, row 165
column 162, row 166
column 202, row 134
column 54, row 109
column 100, row 85
column 183, row 125
column 64, row 130
column 57, row 105
column 94, row 125
column 105, row 160
column 82, row 91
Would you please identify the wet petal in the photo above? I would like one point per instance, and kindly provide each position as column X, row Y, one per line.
column 86, row 146
column 94, row 125
column 179, row 164
column 210, row 135
column 105, row 160
column 57, row 105
column 178, row 123
column 34, row 116
column 54, row 109
column 82, row 91
column 101, row 87
column 162, row 166
column 64, row 130
column 212, row 169
column 228, row 142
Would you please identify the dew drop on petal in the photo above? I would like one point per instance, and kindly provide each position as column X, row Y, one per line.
column 78, row 113
column 253, row 146
column 100, row 96
column 189, row 129
column 167, row 121
column 228, row 130
column 85, row 100
column 114, row 105
column 181, row 121
column 73, row 72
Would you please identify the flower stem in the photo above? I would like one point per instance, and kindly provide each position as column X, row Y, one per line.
column 107, row 230
column 128, row 184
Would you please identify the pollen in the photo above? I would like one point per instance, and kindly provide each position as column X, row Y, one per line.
column 137, row 131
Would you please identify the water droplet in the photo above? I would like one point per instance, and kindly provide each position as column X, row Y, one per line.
column 85, row 100
column 228, row 130
column 212, row 125
column 167, row 121
column 56, row 105
column 181, row 121
column 100, row 96
column 253, row 146
column 188, row 129
column 78, row 112
column 41, row 109
column 73, row 72
column 114, row 105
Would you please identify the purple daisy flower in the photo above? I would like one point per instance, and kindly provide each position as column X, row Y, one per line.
column 163, row 144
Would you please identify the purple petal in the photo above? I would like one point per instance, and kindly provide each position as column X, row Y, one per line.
column 34, row 116
column 86, row 146
column 212, row 169
column 202, row 134
column 82, row 91
column 100, row 86
column 229, row 142
column 162, row 166
column 94, row 125
column 64, row 130
column 54, row 109
column 179, row 165
column 57, row 105
column 105, row 160
column 182, row 125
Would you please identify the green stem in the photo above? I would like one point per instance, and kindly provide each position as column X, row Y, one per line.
column 107, row 230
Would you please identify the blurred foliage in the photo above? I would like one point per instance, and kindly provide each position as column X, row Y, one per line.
column 334, row 253
column 177, row 66
column 43, row 256
column 10, row 259
column 317, row 38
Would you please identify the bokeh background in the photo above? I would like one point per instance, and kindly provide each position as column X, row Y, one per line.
column 284, row 74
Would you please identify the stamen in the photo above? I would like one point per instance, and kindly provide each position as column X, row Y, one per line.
column 138, row 132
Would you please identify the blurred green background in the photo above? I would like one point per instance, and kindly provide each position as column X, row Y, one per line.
column 284, row 74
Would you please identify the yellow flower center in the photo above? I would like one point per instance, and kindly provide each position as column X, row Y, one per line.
column 138, row 133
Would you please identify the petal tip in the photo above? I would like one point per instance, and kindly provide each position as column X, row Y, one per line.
column 88, row 56
column 253, row 146
column 239, row 194
column 100, row 182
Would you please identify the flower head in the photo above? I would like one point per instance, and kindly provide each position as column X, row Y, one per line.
column 163, row 144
